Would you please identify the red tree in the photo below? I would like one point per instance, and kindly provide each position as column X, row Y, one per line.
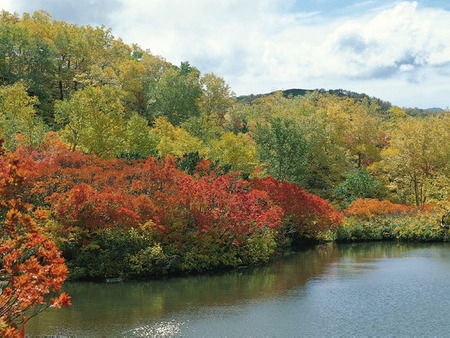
column 305, row 214
column 32, row 269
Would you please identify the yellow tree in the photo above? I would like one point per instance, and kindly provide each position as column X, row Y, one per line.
column 237, row 150
column 217, row 98
column 417, row 159
column 174, row 140
column 131, row 75
column 94, row 120
column 353, row 128
column 394, row 116
column 17, row 115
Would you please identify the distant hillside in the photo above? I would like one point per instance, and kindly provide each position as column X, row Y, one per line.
column 385, row 105
column 424, row 112
column 338, row 92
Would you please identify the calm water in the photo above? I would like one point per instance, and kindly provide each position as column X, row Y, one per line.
column 386, row 289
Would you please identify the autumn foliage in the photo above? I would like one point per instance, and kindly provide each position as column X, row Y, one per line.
column 32, row 269
column 306, row 214
column 373, row 219
column 194, row 219
column 205, row 210
column 160, row 193
column 368, row 208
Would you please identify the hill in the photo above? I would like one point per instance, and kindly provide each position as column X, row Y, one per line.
column 384, row 105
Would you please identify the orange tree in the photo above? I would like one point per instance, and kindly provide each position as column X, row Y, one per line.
column 32, row 270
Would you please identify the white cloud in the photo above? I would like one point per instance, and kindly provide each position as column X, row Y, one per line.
column 403, row 37
column 261, row 46
column 406, row 68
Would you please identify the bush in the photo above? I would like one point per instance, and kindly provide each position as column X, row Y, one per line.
column 305, row 215
column 383, row 220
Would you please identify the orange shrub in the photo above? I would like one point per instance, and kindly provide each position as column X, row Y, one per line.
column 363, row 208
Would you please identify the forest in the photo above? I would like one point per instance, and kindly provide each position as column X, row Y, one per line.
column 116, row 163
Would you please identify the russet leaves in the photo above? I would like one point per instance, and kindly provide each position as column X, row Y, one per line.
column 32, row 269
column 305, row 215
column 194, row 213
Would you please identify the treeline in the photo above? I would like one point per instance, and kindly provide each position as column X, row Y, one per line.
column 363, row 98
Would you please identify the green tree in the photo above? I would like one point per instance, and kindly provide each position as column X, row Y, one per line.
column 174, row 95
column 217, row 98
column 28, row 58
column 140, row 141
column 357, row 184
column 282, row 147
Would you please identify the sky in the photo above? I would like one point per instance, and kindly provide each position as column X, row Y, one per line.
column 398, row 51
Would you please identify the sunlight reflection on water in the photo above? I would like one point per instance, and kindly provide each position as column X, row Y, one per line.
column 162, row 329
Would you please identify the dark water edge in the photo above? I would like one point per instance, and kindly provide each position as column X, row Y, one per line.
column 359, row 289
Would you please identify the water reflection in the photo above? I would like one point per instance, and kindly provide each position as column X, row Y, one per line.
column 148, row 308
column 161, row 329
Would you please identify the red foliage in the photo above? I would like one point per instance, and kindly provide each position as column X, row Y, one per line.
column 32, row 271
column 222, row 206
column 307, row 214
column 84, row 206
column 95, row 194
column 226, row 207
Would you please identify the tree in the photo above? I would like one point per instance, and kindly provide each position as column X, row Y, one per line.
column 353, row 128
column 94, row 120
column 238, row 150
column 282, row 147
column 175, row 140
column 203, row 128
column 32, row 269
column 417, row 159
column 140, row 141
column 131, row 75
column 217, row 98
column 357, row 184
column 17, row 115
column 174, row 95
column 326, row 157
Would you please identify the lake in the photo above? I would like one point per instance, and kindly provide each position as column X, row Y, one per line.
column 384, row 288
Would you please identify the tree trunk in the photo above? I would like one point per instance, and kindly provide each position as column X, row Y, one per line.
column 443, row 220
column 416, row 191
column 60, row 86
